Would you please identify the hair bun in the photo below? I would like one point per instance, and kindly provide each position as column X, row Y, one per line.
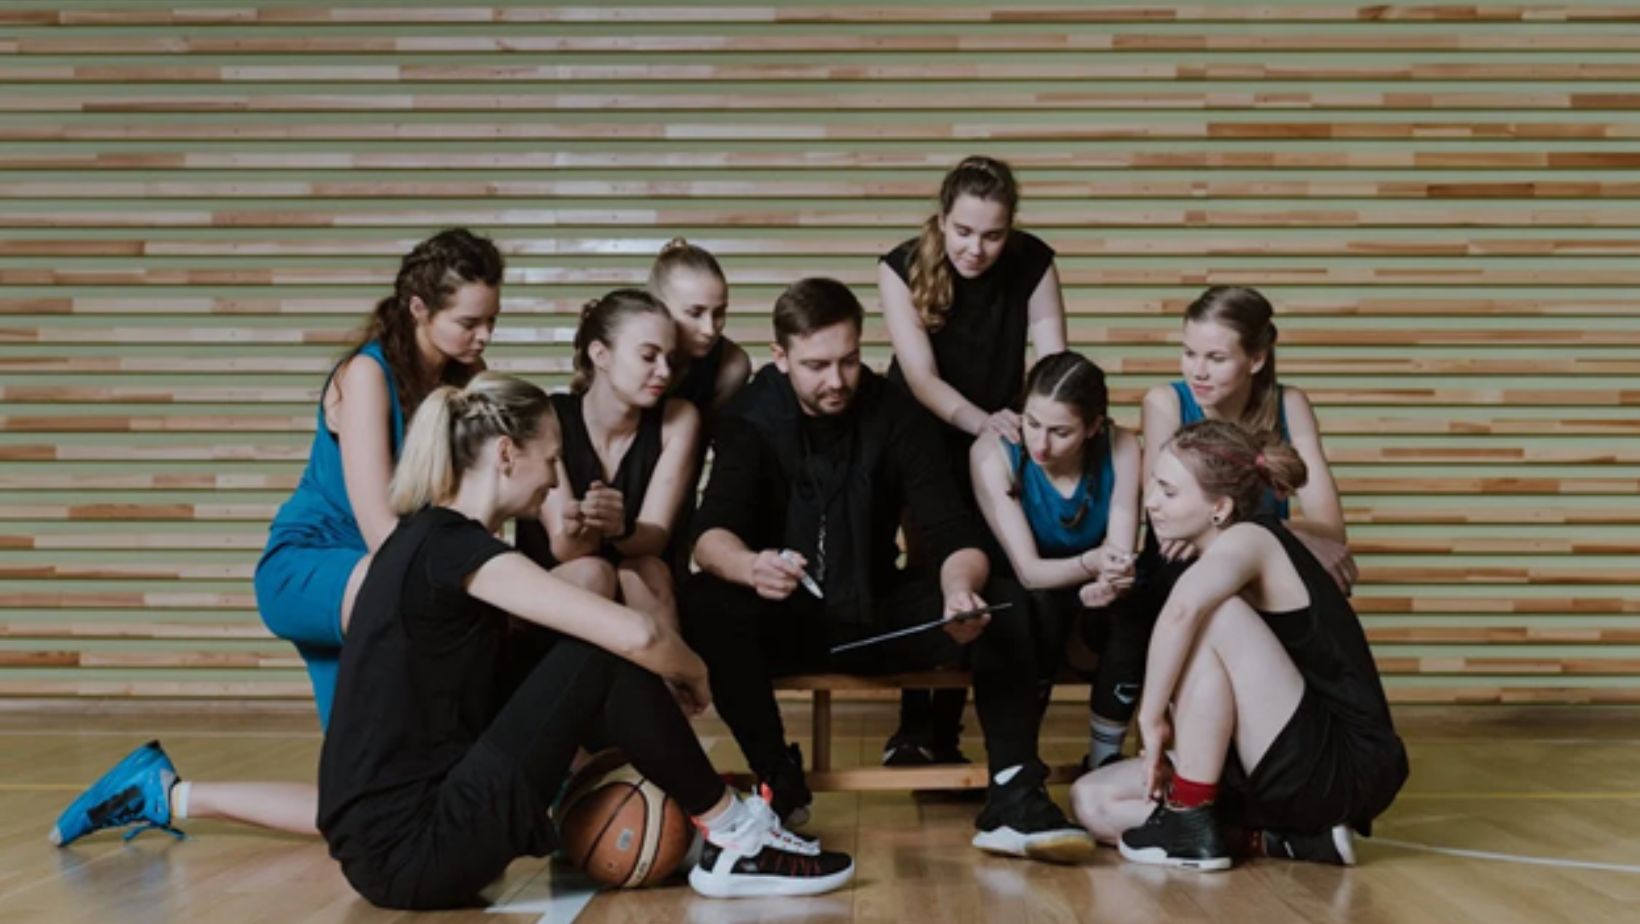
column 675, row 244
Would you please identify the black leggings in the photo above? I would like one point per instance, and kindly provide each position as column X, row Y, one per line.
column 747, row 641
column 492, row 805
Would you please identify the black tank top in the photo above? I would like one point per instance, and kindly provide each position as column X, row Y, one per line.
column 1329, row 648
column 698, row 386
column 632, row 473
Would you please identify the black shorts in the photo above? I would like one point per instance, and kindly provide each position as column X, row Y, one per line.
column 1319, row 772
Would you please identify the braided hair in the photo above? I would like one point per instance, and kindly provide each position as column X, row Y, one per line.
column 432, row 271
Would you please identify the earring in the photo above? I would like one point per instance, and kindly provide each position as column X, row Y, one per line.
column 1218, row 520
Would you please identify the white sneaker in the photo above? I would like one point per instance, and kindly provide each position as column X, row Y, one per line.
column 757, row 856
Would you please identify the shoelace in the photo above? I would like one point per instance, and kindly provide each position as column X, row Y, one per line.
column 129, row 811
column 775, row 834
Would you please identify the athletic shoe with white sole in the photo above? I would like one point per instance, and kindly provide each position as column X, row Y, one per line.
column 136, row 791
column 1020, row 820
column 759, row 857
column 1178, row 837
column 1335, row 846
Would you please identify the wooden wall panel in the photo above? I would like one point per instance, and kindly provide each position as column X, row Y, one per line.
column 199, row 200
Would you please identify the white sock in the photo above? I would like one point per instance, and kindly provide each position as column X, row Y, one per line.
column 179, row 799
column 1006, row 774
column 1105, row 739
column 731, row 817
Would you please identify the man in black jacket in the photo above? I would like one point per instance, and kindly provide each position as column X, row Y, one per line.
column 814, row 462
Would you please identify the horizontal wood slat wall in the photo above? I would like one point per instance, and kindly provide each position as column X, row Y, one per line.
column 199, row 201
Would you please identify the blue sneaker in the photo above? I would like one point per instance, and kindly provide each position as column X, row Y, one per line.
column 137, row 791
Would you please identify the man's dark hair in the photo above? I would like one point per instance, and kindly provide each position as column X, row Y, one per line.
column 811, row 304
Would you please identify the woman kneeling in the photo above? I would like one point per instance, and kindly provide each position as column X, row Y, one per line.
column 1281, row 735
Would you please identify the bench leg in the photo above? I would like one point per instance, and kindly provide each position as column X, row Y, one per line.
column 820, row 750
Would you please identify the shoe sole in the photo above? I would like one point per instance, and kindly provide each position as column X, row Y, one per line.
column 1344, row 842
column 1049, row 847
column 758, row 886
column 1156, row 856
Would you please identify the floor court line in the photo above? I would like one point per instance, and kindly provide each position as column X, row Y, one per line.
column 558, row 894
column 1505, row 857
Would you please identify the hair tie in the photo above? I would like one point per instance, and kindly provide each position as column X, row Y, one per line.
column 1259, row 461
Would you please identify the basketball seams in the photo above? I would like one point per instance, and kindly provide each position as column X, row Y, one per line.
column 643, row 846
column 613, row 815
column 650, row 848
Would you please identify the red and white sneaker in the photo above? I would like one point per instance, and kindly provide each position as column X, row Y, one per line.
column 757, row 856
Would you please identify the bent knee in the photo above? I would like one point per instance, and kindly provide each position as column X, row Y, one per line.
column 655, row 574
column 1233, row 616
column 592, row 574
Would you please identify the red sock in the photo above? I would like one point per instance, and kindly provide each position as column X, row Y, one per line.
column 1188, row 794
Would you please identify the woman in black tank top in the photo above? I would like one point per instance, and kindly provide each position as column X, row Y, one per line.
column 708, row 368
column 628, row 459
column 1259, row 679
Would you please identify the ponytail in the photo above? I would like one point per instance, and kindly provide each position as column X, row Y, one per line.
column 600, row 318
column 449, row 432
column 1229, row 461
column 432, row 271
column 932, row 288
column 678, row 254
column 930, row 280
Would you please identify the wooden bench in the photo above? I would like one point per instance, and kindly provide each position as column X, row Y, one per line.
column 824, row 777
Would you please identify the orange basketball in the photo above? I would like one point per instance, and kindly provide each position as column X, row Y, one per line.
column 618, row 827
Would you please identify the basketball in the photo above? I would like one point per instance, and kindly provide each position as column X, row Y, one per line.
column 618, row 827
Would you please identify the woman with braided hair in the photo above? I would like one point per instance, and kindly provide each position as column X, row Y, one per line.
column 628, row 459
column 431, row 331
column 960, row 301
column 1259, row 681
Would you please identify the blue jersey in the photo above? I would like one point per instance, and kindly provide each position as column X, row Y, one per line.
column 1190, row 412
column 1065, row 526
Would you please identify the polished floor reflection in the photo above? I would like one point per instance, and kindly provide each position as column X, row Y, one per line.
column 1529, row 815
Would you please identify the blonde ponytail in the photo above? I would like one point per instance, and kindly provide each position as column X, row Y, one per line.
column 424, row 473
column 449, row 432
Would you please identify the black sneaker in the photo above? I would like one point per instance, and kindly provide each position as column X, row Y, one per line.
column 1183, row 838
column 907, row 750
column 759, row 857
column 902, row 751
column 1020, row 820
column 790, row 791
column 1335, row 846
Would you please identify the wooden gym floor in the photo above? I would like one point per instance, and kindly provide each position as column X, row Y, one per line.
column 1512, row 814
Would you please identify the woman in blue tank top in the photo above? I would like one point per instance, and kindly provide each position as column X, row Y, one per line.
column 431, row 331
column 1229, row 368
column 1063, row 502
